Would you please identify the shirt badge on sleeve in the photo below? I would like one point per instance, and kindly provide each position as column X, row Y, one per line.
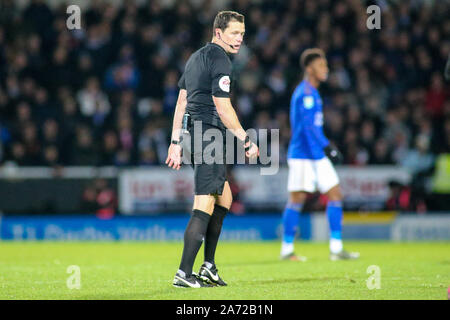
column 224, row 83
column 308, row 102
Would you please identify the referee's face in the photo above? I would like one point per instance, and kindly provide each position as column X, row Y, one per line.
column 233, row 35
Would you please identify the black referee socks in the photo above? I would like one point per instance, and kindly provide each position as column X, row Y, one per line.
column 193, row 238
column 213, row 232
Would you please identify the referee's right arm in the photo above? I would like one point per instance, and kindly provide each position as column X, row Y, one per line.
column 229, row 118
column 220, row 70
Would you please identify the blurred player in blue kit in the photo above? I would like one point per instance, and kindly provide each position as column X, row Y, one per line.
column 310, row 160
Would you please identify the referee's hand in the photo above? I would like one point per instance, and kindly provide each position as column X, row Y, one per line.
column 174, row 156
column 253, row 152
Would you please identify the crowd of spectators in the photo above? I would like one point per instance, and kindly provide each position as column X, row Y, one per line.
column 99, row 198
column 105, row 94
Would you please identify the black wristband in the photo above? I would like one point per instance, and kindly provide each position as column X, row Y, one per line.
column 176, row 141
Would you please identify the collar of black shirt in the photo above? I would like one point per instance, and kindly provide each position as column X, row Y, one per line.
column 216, row 45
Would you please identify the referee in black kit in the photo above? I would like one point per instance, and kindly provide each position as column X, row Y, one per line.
column 205, row 97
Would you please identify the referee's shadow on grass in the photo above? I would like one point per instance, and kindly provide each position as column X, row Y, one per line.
column 167, row 293
column 291, row 280
column 147, row 295
column 256, row 263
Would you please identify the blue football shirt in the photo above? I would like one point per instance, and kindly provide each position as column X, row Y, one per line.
column 306, row 117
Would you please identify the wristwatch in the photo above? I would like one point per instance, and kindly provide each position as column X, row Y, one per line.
column 247, row 139
column 176, row 142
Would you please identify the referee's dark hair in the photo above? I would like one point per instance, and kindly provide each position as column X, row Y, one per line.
column 309, row 55
column 224, row 17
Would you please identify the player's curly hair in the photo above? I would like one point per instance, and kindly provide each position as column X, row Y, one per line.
column 224, row 17
column 309, row 55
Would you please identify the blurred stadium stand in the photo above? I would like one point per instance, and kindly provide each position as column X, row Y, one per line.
column 104, row 96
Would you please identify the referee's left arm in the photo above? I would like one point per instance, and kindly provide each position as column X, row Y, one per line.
column 174, row 154
column 179, row 112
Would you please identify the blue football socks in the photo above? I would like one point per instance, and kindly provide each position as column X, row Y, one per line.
column 334, row 214
column 291, row 216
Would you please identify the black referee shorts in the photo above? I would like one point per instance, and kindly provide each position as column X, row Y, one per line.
column 209, row 178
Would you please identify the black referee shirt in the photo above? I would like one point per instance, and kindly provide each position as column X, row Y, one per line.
column 207, row 73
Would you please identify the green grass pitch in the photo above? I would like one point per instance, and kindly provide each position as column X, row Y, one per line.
column 144, row 270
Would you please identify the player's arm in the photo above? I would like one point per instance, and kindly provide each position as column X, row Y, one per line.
column 310, row 122
column 314, row 132
column 174, row 154
column 229, row 118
